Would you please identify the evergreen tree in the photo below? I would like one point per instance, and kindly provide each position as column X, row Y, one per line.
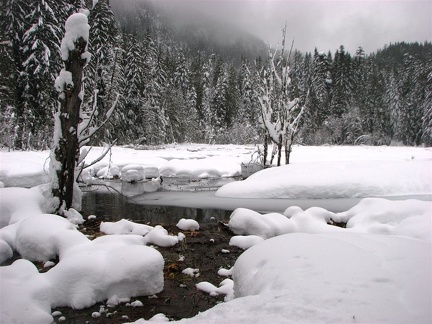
column 127, row 122
column 342, row 83
column 427, row 106
column 101, row 75
column 16, row 26
column 40, row 47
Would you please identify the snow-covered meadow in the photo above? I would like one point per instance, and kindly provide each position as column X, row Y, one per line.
column 296, row 267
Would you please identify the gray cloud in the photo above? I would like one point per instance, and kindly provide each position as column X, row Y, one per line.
column 324, row 24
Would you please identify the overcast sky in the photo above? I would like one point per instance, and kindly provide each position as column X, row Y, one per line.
column 326, row 24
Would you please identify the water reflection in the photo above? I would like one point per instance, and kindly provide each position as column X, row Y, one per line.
column 114, row 207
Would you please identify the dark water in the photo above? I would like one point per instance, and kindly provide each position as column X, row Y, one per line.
column 152, row 203
column 114, row 207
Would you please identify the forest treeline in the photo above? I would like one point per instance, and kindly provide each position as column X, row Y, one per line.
column 179, row 84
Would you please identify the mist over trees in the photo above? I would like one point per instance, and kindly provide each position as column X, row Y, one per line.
column 182, row 81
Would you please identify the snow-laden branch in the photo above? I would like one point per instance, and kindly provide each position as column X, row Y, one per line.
column 86, row 131
column 280, row 116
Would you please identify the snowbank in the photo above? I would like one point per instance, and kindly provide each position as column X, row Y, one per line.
column 336, row 179
column 411, row 218
column 339, row 277
column 202, row 168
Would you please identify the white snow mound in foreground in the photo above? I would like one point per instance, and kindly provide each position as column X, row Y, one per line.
column 88, row 271
column 339, row 277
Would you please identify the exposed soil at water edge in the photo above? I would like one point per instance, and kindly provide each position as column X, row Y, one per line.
column 180, row 298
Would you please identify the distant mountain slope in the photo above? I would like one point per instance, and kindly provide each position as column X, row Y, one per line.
column 172, row 22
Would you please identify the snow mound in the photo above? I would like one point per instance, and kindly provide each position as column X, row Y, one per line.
column 138, row 172
column 225, row 288
column 366, row 277
column 245, row 221
column 124, row 226
column 12, row 208
column 191, row 272
column 188, row 225
column 43, row 237
column 245, row 242
column 73, row 216
column 410, row 218
column 335, row 179
column 209, row 167
column 159, row 236
column 109, row 172
column 87, row 271
column 406, row 217
column 28, row 294
column 152, row 235
column 82, row 279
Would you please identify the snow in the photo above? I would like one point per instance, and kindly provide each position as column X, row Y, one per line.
column 188, row 224
column 76, row 27
column 225, row 288
column 191, row 272
column 63, row 81
column 295, row 268
column 245, row 242
column 124, row 226
column 159, row 236
column 202, row 168
column 341, row 179
column 339, row 277
column 315, row 172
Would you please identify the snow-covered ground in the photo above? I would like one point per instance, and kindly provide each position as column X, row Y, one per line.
column 296, row 268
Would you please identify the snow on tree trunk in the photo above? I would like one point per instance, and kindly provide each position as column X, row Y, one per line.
column 66, row 150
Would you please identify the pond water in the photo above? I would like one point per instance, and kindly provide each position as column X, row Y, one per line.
column 114, row 207
column 153, row 203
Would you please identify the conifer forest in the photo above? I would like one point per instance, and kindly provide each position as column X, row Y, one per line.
column 186, row 83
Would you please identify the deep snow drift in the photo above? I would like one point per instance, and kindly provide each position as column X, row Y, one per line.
column 296, row 267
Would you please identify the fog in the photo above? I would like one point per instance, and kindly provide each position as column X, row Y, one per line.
column 325, row 24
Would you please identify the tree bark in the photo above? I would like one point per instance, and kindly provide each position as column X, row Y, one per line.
column 279, row 146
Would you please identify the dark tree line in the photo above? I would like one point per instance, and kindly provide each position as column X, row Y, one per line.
column 178, row 85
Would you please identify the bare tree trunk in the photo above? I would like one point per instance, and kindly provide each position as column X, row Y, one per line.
column 287, row 152
column 67, row 150
column 265, row 150
column 279, row 145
